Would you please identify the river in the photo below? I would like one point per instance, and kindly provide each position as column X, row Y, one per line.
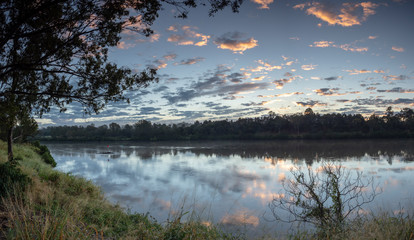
column 232, row 182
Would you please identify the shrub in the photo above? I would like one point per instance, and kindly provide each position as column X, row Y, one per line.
column 11, row 177
column 44, row 152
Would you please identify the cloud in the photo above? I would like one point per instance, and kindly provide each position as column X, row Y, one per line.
column 162, row 63
column 378, row 102
column 330, row 78
column 123, row 45
column 188, row 36
column 149, row 110
column 397, row 49
column 281, row 82
column 395, row 78
column 328, row 92
column 218, row 83
column 322, row 44
column 308, row 67
column 235, row 42
column 258, row 78
column 191, row 61
column 263, row 67
column 355, row 71
column 346, row 47
column 288, row 94
column 264, row 4
column 349, row 47
column 310, row 103
column 170, row 57
column 347, row 15
column 397, row 90
column 372, row 37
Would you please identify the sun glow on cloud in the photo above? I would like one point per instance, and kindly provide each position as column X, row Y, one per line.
column 264, row 66
column 235, row 42
column 347, row 15
column 398, row 49
column 264, row 4
column 346, row 47
column 188, row 36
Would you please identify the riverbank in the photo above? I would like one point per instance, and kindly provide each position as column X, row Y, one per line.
column 58, row 205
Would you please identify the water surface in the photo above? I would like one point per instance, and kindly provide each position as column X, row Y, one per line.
column 231, row 182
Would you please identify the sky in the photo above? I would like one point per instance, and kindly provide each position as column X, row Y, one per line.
column 352, row 57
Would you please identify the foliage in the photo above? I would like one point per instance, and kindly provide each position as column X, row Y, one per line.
column 12, row 177
column 272, row 126
column 44, row 152
column 325, row 197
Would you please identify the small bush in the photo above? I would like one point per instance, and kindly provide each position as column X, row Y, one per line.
column 44, row 152
column 11, row 177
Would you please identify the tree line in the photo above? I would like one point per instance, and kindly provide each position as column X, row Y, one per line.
column 307, row 125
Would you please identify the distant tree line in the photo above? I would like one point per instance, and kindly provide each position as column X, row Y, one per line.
column 307, row 125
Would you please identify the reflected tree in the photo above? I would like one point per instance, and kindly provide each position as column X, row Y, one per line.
column 325, row 197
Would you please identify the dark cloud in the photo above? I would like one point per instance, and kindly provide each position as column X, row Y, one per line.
column 160, row 89
column 281, row 82
column 191, row 61
column 149, row 110
column 378, row 102
column 311, row 103
column 331, row 78
column 395, row 78
column 397, row 90
column 236, row 77
column 214, row 83
column 182, row 95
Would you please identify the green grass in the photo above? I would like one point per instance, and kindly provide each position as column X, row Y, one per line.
column 55, row 205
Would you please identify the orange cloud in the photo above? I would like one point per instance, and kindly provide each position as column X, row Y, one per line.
column 188, row 36
column 264, row 4
column 264, row 66
column 123, row 45
column 234, row 42
column 346, row 47
column 288, row 94
column 322, row 44
column 240, row 218
column 372, row 37
column 308, row 67
column 355, row 71
column 349, row 14
column 281, row 82
column 398, row 49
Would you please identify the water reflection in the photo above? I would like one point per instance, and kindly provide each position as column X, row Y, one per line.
column 229, row 182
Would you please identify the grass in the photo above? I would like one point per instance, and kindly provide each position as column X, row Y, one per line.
column 55, row 205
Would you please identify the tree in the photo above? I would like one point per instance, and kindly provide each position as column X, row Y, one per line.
column 325, row 196
column 54, row 52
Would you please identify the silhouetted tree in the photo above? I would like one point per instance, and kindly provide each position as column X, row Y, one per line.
column 53, row 52
column 324, row 196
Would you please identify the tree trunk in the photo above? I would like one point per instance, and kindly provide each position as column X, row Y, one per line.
column 10, row 144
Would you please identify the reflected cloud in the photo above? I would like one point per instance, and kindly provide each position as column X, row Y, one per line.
column 240, row 218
